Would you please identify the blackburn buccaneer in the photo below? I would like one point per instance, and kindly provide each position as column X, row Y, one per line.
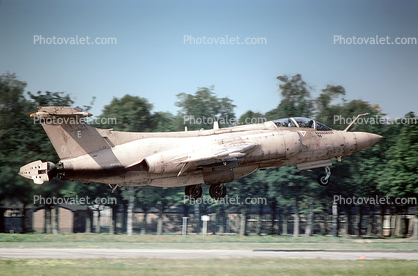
column 190, row 158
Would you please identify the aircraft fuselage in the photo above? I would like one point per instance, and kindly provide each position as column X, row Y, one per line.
column 187, row 158
column 276, row 147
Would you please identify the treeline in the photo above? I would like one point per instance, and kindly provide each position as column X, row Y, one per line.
column 388, row 169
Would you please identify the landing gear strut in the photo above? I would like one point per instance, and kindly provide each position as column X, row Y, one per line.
column 323, row 179
column 113, row 187
column 193, row 191
column 217, row 191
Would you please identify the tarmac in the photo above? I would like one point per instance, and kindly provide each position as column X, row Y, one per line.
column 90, row 253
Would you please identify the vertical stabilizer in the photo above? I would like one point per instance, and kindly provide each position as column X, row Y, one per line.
column 68, row 131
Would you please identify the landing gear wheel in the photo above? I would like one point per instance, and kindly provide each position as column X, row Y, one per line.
column 322, row 180
column 193, row 192
column 217, row 191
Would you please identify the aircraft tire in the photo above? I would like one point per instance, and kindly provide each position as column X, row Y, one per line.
column 322, row 181
column 217, row 191
column 193, row 191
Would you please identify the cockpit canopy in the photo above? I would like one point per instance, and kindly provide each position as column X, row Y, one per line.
column 301, row 122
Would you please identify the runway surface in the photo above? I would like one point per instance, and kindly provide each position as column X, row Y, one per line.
column 82, row 253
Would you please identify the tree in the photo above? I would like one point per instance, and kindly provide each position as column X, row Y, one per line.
column 146, row 198
column 290, row 187
column 400, row 177
column 164, row 122
column 132, row 113
column 15, row 139
column 166, row 197
column 23, row 139
column 251, row 117
column 296, row 99
column 326, row 111
column 201, row 109
column 251, row 186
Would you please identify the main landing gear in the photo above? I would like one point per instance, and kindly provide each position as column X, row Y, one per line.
column 323, row 179
column 193, row 191
column 215, row 191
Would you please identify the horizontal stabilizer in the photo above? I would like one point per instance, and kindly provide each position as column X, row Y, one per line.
column 38, row 171
column 59, row 111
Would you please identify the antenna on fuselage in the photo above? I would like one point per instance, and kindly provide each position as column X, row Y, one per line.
column 358, row 116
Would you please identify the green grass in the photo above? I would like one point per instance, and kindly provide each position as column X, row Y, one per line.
column 206, row 267
column 238, row 266
column 205, row 242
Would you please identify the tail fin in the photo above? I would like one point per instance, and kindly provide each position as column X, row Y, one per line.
column 68, row 131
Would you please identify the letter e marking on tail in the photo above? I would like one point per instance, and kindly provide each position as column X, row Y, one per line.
column 79, row 134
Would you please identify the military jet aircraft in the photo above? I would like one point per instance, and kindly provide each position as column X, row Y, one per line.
column 187, row 158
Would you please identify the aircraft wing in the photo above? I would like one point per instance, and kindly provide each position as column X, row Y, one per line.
column 221, row 154
column 208, row 157
column 227, row 151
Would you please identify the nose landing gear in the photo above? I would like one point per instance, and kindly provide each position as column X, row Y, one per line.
column 323, row 179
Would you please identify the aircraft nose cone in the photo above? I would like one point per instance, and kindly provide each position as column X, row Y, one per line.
column 365, row 140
